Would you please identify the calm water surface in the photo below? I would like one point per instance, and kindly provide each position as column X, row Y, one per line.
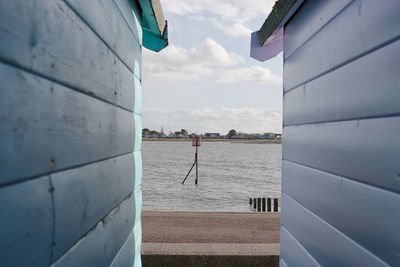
column 229, row 173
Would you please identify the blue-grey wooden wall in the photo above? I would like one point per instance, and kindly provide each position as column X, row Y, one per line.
column 341, row 135
column 70, row 133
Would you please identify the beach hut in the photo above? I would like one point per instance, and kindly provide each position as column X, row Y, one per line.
column 70, row 129
column 341, row 125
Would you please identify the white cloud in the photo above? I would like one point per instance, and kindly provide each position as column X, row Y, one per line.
column 175, row 63
column 232, row 28
column 249, row 120
column 222, row 8
column 255, row 74
column 230, row 16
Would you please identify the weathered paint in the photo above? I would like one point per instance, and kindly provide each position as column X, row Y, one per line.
column 64, row 129
column 88, row 201
column 101, row 245
column 26, row 225
column 365, row 26
column 70, row 132
column 50, row 40
column 341, row 150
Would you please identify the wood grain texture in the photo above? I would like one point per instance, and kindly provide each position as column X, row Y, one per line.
column 84, row 195
column 46, row 127
column 47, row 38
column 100, row 246
column 282, row 262
column 139, row 202
column 105, row 19
column 126, row 255
column 294, row 253
column 138, row 97
column 137, row 155
column 138, row 133
column 331, row 197
column 26, row 225
column 340, row 147
column 364, row 150
column 366, row 87
column 314, row 15
column 324, row 243
column 130, row 12
column 138, row 243
column 360, row 28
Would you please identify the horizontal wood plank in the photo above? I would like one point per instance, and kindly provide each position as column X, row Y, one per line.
column 360, row 89
column 294, row 253
column 138, row 169
column 358, row 29
column 84, row 195
column 138, row 132
column 46, row 127
column 26, row 225
column 105, row 19
column 138, row 97
column 364, row 150
column 48, row 38
column 322, row 241
column 100, row 246
column 139, row 203
column 312, row 16
column 332, row 197
column 126, row 256
column 137, row 231
column 282, row 263
column 130, row 11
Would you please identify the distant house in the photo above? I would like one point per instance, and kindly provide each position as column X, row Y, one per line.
column 178, row 133
column 212, row 135
column 269, row 135
column 341, row 125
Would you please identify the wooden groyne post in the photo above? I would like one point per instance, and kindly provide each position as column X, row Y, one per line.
column 264, row 204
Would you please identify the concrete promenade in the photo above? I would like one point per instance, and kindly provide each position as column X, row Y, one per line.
column 210, row 239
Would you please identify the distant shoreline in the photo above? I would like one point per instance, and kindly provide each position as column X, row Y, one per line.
column 246, row 141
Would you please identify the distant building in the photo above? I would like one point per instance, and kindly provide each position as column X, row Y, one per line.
column 269, row 135
column 212, row 135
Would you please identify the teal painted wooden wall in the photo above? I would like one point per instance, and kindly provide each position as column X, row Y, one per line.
column 70, row 133
column 341, row 125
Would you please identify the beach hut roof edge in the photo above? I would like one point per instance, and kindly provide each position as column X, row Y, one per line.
column 155, row 27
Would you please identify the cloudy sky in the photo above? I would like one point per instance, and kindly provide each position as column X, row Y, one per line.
column 205, row 80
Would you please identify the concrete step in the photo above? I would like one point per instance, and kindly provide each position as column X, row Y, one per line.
column 210, row 254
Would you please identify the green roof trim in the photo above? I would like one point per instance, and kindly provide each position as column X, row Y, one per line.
column 155, row 30
column 280, row 14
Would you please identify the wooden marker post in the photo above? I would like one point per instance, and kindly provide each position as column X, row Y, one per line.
column 197, row 166
column 275, row 205
column 269, row 204
column 196, row 141
column 263, row 204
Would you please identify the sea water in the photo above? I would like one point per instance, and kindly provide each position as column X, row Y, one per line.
column 229, row 174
